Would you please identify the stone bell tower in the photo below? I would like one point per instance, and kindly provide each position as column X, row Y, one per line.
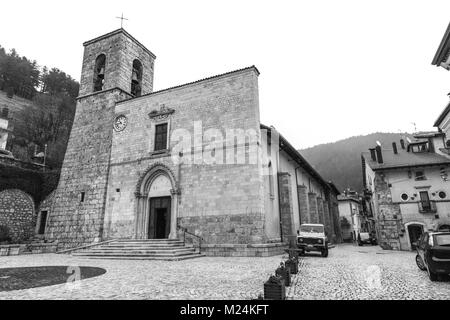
column 115, row 67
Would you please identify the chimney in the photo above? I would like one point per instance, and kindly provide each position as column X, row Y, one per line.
column 372, row 154
column 379, row 154
column 394, row 147
column 402, row 143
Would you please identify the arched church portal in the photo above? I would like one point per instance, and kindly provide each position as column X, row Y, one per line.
column 157, row 204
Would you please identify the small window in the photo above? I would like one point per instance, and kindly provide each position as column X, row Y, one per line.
column 42, row 222
column 82, row 197
column 404, row 197
column 420, row 175
column 271, row 185
column 442, row 195
column 161, row 136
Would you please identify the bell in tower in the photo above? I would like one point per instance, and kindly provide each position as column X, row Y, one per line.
column 99, row 78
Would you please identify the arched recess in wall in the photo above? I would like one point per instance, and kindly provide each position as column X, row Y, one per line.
column 17, row 214
column 136, row 78
column 99, row 72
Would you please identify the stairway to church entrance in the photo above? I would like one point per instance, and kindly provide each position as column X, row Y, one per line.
column 143, row 249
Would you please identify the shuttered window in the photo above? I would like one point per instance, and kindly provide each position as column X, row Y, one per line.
column 161, row 136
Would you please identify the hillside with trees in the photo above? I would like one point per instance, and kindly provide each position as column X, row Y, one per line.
column 49, row 118
column 340, row 161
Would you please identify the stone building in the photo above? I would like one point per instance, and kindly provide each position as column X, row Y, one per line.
column 410, row 189
column 142, row 164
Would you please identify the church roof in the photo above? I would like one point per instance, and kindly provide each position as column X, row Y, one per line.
column 194, row 82
column 404, row 159
column 121, row 30
column 290, row 150
column 442, row 115
column 443, row 48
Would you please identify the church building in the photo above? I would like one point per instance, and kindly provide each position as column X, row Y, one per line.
column 144, row 164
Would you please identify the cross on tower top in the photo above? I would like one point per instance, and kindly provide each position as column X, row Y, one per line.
column 121, row 20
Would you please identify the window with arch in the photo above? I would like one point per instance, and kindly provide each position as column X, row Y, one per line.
column 136, row 78
column 99, row 73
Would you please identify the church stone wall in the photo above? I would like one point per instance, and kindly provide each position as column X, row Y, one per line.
column 224, row 203
column 74, row 222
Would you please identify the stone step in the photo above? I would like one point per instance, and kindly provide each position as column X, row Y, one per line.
column 146, row 249
column 132, row 254
column 175, row 258
column 144, row 252
column 143, row 245
column 146, row 240
column 141, row 248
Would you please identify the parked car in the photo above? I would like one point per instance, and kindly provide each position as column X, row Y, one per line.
column 433, row 253
column 311, row 237
column 366, row 238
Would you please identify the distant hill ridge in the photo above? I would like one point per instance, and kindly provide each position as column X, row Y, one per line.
column 340, row 161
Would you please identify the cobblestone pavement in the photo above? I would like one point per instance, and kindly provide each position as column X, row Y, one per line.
column 367, row 272
column 201, row 278
column 349, row 272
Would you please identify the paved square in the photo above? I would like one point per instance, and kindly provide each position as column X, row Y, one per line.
column 349, row 272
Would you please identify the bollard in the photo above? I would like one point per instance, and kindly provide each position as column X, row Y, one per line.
column 274, row 288
column 285, row 273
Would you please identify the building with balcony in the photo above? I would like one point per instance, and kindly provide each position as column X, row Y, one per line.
column 407, row 188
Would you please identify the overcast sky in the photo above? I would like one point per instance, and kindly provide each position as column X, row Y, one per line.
column 329, row 69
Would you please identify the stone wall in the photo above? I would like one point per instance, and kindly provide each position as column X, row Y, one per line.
column 303, row 204
column 120, row 51
column 85, row 170
column 320, row 210
column 228, row 101
column 17, row 213
column 286, row 210
column 313, row 211
column 226, row 229
column 388, row 215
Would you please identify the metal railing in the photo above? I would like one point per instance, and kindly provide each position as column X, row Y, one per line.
column 199, row 239
column 427, row 206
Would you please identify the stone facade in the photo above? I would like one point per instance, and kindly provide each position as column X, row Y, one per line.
column 17, row 213
column 303, row 200
column 286, row 211
column 313, row 210
column 210, row 174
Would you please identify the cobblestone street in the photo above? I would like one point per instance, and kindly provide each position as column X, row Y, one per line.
column 367, row 272
column 349, row 272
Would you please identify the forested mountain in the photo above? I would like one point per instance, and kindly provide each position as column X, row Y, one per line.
column 340, row 161
column 48, row 119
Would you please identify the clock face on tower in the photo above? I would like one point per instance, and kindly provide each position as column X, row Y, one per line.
column 120, row 123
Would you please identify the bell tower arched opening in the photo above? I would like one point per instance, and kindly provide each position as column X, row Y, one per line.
column 99, row 73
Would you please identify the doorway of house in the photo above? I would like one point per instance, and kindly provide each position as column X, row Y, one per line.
column 159, row 222
column 414, row 231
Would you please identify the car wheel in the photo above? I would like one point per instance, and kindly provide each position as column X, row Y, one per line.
column 325, row 253
column 420, row 263
column 433, row 276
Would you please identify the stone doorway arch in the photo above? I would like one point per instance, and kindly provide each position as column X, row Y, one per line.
column 157, row 203
column 413, row 231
